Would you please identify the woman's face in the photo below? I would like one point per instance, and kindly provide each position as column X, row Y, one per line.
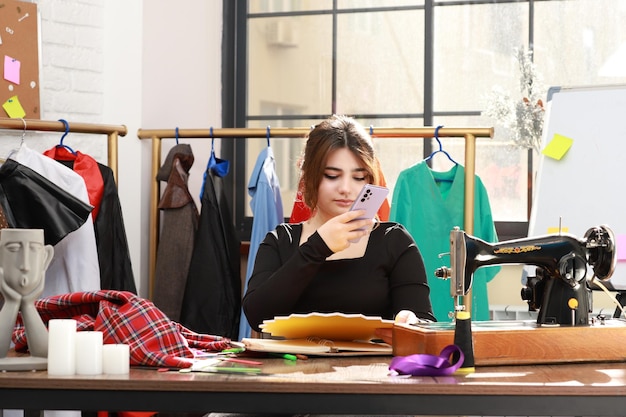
column 344, row 176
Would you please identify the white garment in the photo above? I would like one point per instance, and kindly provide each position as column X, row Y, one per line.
column 74, row 267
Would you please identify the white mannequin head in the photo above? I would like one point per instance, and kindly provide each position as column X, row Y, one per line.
column 24, row 258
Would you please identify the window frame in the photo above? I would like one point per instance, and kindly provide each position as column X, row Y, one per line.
column 234, row 93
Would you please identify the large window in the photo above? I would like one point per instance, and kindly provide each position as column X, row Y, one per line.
column 401, row 63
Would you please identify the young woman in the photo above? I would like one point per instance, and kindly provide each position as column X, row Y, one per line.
column 314, row 267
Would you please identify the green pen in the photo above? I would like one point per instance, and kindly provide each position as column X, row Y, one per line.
column 287, row 356
column 233, row 350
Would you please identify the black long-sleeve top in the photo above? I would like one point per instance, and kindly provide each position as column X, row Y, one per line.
column 292, row 278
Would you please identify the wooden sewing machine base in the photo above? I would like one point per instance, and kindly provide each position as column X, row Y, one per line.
column 519, row 342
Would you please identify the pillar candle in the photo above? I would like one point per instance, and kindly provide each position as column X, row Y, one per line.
column 61, row 346
column 88, row 353
column 115, row 359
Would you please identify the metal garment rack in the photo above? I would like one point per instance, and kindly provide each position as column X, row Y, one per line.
column 111, row 131
column 469, row 133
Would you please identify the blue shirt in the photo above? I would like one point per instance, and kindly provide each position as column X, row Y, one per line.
column 267, row 212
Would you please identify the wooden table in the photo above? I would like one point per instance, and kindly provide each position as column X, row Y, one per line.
column 333, row 386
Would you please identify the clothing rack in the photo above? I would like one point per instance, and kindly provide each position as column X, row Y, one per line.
column 112, row 132
column 469, row 133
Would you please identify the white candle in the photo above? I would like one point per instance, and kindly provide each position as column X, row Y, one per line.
column 88, row 353
column 61, row 346
column 116, row 359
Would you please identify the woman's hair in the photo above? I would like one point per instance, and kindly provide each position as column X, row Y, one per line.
column 334, row 133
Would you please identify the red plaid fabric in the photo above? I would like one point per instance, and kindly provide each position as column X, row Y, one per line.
column 123, row 317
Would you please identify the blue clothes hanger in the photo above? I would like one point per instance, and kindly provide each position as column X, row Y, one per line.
column 176, row 137
column 67, row 129
column 440, row 147
column 267, row 135
column 218, row 167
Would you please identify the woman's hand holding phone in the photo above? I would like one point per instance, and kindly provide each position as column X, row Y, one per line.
column 369, row 200
column 350, row 227
column 339, row 231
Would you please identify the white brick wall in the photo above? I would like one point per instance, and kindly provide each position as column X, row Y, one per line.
column 102, row 61
column 71, row 76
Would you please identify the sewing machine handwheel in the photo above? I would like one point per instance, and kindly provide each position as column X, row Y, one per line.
column 602, row 254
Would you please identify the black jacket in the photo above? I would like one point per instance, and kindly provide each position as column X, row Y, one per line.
column 31, row 201
column 212, row 301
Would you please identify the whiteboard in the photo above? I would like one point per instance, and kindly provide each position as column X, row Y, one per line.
column 587, row 186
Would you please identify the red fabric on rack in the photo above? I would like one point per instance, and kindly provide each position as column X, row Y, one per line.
column 85, row 166
column 300, row 212
column 123, row 317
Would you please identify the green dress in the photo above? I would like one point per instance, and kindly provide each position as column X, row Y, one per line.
column 430, row 204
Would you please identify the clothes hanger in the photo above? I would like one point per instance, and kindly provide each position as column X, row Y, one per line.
column 218, row 167
column 67, row 129
column 440, row 148
column 23, row 132
column 14, row 150
column 267, row 135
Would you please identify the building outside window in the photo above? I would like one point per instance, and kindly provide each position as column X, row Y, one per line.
column 401, row 63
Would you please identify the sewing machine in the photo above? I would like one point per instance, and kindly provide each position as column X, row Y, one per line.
column 560, row 291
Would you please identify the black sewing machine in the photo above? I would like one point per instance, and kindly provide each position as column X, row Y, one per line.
column 560, row 290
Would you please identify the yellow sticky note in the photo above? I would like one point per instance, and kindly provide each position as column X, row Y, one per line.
column 558, row 146
column 557, row 230
column 14, row 108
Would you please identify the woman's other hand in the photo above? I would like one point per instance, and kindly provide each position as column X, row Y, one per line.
column 404, row 316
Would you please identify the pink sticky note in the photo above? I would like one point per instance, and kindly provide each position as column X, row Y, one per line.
column 12, row 69
column 621, row 247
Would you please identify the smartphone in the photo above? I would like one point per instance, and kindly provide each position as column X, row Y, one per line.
column 370, row 199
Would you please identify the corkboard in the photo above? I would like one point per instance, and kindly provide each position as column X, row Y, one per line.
column 19, row 60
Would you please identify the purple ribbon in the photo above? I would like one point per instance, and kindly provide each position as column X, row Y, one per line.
column 425, row 364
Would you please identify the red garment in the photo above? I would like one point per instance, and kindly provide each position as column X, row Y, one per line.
column 86, row 167
column 123, row 317
column 301, row 212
